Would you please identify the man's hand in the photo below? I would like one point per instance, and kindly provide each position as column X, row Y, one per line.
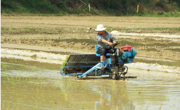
column 109, row 43
column 114, row 41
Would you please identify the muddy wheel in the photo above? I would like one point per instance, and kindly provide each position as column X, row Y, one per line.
column 115, row 76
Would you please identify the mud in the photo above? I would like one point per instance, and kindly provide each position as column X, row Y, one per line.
column 32, row 83
column 89, row 21
column 28, row 86
column 77, row 33
column 159, row 61
column 146, row 47
column 83, row 46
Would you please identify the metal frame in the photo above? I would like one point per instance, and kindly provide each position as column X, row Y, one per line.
column 92, row 68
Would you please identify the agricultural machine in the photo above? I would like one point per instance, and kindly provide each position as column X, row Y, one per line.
column 90, row 66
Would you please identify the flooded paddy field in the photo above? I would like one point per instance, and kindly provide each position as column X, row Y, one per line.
column 33, row 49
column 33, row 86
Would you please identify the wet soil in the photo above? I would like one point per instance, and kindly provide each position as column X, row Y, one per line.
column 77, row 33
column 34, row 64
column 163, row 49
column 161, row 62
column 28, row 86
column 34, row 85
column 89, row 21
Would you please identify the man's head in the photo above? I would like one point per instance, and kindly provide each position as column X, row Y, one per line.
column 101, row 32
column 100, row 28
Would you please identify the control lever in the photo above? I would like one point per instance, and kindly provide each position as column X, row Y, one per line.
column 114, row 44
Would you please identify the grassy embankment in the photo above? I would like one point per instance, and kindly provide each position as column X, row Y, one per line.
column 157, row 8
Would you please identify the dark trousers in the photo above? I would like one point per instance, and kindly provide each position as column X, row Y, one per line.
column 103, row 51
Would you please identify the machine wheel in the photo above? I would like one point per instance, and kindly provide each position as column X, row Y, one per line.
column 115, row 76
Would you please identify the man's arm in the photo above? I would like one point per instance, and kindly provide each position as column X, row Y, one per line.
column 112, row 38
column 106, row 42
column 99, row 39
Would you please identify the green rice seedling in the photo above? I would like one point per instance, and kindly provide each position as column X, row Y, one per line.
column 3, row 104
column 19, row 78
column 20, row 95
column 7, row 86
column 37, row 89
column 57, row 83
column 38, row 78
column 8, row 78
column 83, row 107
column 25, row 85
column 16, row 93
column 8, row 107
column 44, row 84
column 11, row 97
column 36, row 103
column 64, row 62
column 41, row 83
column 12, row 78
column 26, row 78
column 16, row 76
column 29, row 78
column 173, row 105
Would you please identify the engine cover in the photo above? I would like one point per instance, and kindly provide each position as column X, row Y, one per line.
column 128, row 55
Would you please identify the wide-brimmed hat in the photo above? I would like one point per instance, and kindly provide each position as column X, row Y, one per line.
column 100, row 27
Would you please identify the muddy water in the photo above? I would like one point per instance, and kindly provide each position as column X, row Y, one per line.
column 25, row 85
column 161, row 62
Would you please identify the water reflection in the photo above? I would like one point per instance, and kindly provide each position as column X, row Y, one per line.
column 107, row 94
column 28, row 87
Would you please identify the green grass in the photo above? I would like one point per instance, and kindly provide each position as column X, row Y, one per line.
column 165, row 14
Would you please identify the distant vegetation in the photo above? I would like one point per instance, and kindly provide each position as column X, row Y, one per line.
column 98, row 7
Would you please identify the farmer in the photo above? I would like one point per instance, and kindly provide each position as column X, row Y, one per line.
column 104, row 42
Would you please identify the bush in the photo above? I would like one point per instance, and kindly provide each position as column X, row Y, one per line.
column 160, row 12
column 167, row 14
column 108, row 7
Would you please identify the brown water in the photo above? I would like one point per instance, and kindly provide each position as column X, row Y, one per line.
column 25, row 86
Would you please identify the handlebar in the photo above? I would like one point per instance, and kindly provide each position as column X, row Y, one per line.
column 114, row 44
